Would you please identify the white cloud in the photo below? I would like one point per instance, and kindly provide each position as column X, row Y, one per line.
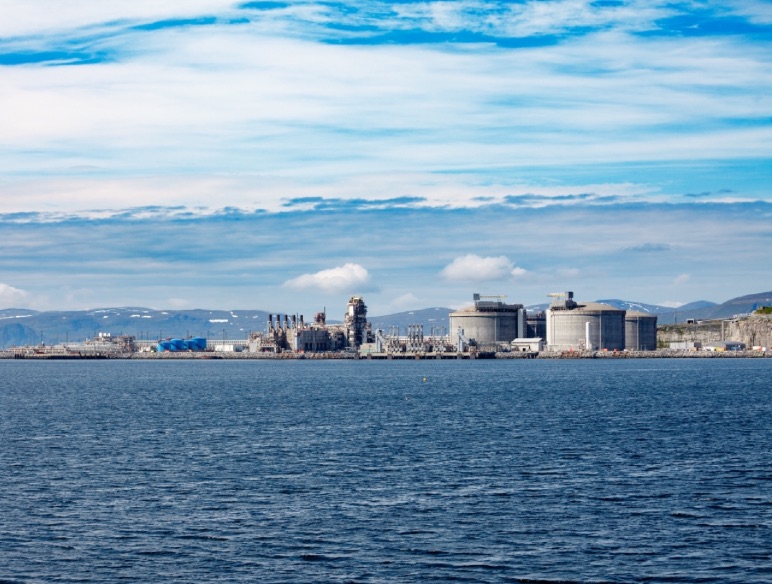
column 681, row 279
column 474, row 268
column 757, row 11
column 671, row 303
column 538, row 17
column 178, row 303
column 20, row 17
column 518, row 272
column 10, row 297
column 392, row 115
column 526, row 18
column 346, row 278
column 405, row 301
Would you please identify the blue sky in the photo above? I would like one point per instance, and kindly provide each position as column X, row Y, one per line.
column 285, row 155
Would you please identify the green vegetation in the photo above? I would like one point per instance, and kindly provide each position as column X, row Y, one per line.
column 764, row 310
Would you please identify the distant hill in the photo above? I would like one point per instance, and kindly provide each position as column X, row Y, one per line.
column 636, row 306
column 428, row 317
column 698, row 305
column 28, row 327
column 729, row 309
column 698, row 310
column 531, row 308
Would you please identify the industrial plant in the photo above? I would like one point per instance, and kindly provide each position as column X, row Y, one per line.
column 293, row 334
column 565, row 326
column 592, row 326
column 489, row 327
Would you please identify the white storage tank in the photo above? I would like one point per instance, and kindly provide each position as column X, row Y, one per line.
column 489, row 321
column 587, row 326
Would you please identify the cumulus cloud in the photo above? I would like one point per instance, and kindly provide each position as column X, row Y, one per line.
column 474, row 268
column 10, row 297
column 339, row 279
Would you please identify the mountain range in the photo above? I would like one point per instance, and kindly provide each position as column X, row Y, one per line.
column 28, row 327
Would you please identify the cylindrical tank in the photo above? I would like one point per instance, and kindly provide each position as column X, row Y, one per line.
column 590, row 326
column 163, row 346
column 197, row 344
column 640, row 331
column 485, row 327
column 177, row 345
column 536, row 325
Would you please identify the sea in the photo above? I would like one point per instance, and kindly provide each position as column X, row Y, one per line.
column 533, row 471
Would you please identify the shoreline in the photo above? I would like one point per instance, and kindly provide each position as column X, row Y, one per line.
column 659, row 354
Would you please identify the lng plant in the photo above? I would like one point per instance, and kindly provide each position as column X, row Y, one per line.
column 487, row 327
column 565, row 326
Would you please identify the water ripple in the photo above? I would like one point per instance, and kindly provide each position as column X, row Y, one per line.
column 532, row 471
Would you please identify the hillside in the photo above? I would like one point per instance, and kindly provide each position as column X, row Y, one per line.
column 742, row 305
column 429, row 317
column 20, row 327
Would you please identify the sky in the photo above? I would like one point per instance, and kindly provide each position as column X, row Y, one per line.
column 285, row 155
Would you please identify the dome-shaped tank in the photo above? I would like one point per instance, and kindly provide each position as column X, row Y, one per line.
column 177, row 345
column 489, row 321
column 587, row 326
column 640, row 331
column 163, row 346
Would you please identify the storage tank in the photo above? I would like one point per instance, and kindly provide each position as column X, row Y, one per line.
column 177, row 345
column 536, row 325
column 640, row 331
column 586, row 326
column 197, row 344
column 489, row 321
column 163, row 346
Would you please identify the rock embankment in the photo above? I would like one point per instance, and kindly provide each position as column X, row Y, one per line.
column 754, row 331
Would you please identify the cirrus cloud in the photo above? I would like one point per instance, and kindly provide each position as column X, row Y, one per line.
column 474, row 268
column 338, row 279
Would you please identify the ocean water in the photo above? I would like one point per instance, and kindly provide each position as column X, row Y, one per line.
column 343, row 471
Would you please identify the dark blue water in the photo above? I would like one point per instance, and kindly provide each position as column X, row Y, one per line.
column 487, row 471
